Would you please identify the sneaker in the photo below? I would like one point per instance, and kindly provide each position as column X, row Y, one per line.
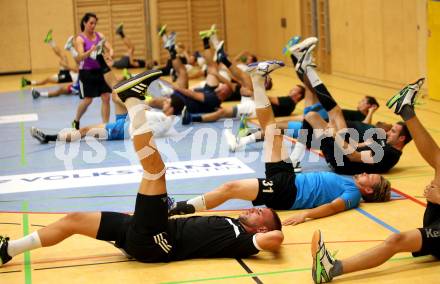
column 298, row 49
column 24, row 82
column 220, row 52
column 181, row 208
column 4, row 256
column 208, row 33
column 69, row 43
column 162, row 30
column 293, row 41
column 305, row 61
column 186, row 116
column 99, row 49
column 264, row 68
column 127, row 75
column 322, row 260
column 75, row 124
column 48, row 37
column 171, row 41
column 165, row 90
column 120, row 30
column 231, row 140
column 407, row 96
column 39, row 135
column 243, row 128
column 297, row 167
column 35, row 93
column 136, row 86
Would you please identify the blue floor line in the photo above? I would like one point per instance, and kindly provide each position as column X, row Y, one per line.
column 377, row 220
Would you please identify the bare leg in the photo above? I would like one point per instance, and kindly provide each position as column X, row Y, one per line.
column 425, row 144
column 182, row 75
column 105, row 107
column 410, row 241
column 213, row 116
column 86, row 224
column 82, row 108
column 246, row 189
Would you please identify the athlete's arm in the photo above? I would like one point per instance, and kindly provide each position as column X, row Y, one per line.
column 190, row 94
column 270, row 241
column 329, row 209
column 79, row 46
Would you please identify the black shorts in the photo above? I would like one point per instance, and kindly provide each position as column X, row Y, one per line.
column 277, row 190
column 144, row 235
column 123, row 62
column 236, row 95
column 430, row 231
column 92, row 84
column 64, row 76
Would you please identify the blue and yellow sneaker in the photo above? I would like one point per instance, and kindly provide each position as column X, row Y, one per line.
column 294, row 40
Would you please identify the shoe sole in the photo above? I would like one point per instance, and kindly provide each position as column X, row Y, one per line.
column 392, row 101
column 130, row 83
column 314, row 250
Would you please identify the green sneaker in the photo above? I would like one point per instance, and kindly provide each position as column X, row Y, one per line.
column 208, row 33
column 127, row 75
column 323, row 261
column 406, row 96
column 162, row 30
column 243, row 129
column 24, row 82
column 48, row 37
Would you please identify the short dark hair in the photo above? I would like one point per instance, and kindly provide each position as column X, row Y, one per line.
column 177, row 103
column 372, row 101
column 303, row 91
column 86, row 18
column 268, row 83
column 381, row 191
column 405, row 132
column 276, row 221
column 254, row 58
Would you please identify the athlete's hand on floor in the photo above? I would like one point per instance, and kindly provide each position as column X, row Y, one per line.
column 295, row 220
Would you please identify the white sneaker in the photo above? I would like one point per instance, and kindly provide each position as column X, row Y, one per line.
column 230, row 139
column 69, row 43
column 39, row 135
column 407, row 96
column 305, row 61
column 165, row 90
column 264, row 68
column 298, row 49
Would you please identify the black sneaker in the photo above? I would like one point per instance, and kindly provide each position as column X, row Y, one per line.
column 186, row 116
column 39, row 135
column 220, row 52
column 137, row 86
column 4, row 256
column 75, row 124
column 120, row 30
column 35, row 93
column 181, row 208
column 297, row 167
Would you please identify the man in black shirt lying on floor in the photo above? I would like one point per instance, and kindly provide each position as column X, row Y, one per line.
column 370, row 156
column 148, row 235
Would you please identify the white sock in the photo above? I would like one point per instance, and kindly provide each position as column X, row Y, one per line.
column 313, row 76
column 52, row 43
column 260, row 98
column 26, row 243
column 214, row 41
column 73, row 52
column 136, row 112
column 298, row 152
column 44, row 93
column 198, row 203
column 33, row 82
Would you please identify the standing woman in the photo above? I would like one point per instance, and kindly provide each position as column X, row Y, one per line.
column 91, row 79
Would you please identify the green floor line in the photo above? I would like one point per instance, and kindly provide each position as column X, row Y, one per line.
column 272, row 272
column 27, row 255
column 23, row 161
